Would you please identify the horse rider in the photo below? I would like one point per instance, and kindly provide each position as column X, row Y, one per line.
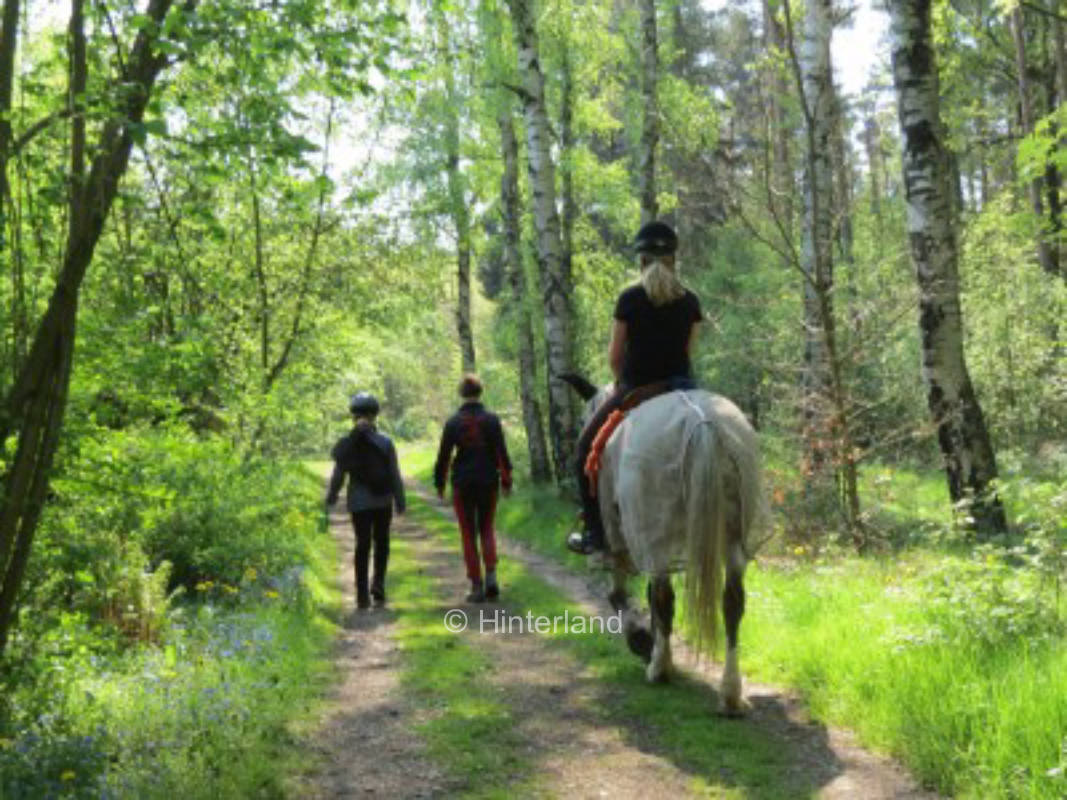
column 651, row 341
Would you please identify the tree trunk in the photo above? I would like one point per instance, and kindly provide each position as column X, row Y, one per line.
column 828, row 429
column 457, row 197
column 1046, row 256
column 555, row 283
column 968, row 456
column 783, row 186
column 34, row 406
column 8, row 45
column 818, row 98
column 872, row 143
column 646, row 157
column 566, row 140
column 540, row 468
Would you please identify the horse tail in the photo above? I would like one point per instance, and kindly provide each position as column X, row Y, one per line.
column 725, row 506
column 706, row 524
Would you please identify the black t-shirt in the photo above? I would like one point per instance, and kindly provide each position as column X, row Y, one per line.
column 656, row 336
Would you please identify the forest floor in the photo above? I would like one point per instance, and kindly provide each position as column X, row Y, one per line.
column 369, row 742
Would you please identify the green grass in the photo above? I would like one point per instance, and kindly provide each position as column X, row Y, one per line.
column 212, row 710
column 940, row 661
column 975, row 713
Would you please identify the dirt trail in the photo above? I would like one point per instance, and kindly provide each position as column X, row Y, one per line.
column 369, row 749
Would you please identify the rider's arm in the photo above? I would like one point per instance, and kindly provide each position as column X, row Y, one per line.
column 692, row 337
column 617, row 350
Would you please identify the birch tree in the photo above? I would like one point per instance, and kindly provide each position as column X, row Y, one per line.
column 646, row 156
column 556, row 284
column 540, row 468
column 969, row 461
column 457, row 190
column 826, row 406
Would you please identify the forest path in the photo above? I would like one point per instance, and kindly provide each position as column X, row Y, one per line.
column 565, row 736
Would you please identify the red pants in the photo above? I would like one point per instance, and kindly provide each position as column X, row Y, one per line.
column 475, row 507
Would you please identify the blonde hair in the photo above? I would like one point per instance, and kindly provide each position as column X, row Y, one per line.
column 660, row 279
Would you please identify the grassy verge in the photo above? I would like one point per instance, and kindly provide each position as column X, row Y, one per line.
column 957, row 666
column 209, row 710
column 946, row 667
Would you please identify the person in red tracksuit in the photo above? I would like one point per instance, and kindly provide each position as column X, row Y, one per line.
column 481, row 466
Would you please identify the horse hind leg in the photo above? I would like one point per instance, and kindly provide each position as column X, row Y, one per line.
column 661, row 604
column 733, row 608
column 638, row 637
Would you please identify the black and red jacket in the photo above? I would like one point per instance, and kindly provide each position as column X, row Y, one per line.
column 481, row 455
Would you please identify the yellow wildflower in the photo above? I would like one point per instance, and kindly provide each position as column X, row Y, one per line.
column 273, row 595
column 251, row 574
column 68, row 775
column 6, row 744
column 799, row 550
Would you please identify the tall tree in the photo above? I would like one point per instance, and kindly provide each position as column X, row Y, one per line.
column 540, row 468
column 826, row 405
column 970, row 464
column 555, row 281
column 646, row 155
column 1046, row 253
column 457, row 188
column 34, row 406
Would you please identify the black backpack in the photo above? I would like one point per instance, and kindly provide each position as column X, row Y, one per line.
column 368, row 464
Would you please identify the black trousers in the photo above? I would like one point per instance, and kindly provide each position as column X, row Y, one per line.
column 371, row 525
column 590, row 505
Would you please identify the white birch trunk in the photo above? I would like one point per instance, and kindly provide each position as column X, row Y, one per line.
column 540, row 468
column 817, row 228
column 968, row 456
column 555, row 283
column 457, row 199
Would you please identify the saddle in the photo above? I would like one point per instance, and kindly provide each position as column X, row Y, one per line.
column 631, row 400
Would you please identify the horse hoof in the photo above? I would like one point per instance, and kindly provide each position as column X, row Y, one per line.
column 735, row 708
column 656, row 674
column 639, row 640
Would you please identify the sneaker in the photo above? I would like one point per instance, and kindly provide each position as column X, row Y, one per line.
column 492, row 591
column 377, row 594
column 362, row 602
column 477, row 594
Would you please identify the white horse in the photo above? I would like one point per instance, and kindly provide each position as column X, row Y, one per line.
column 679, row 491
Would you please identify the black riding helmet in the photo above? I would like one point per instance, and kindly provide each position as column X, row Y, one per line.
column 656, row 238
column 364, row 404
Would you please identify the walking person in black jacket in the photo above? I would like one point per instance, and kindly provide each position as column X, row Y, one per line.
column 481, row 465
column 369, row 460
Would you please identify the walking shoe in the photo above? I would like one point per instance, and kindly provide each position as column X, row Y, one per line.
column 477, row 594
column 492, row 591
column 363, row 602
